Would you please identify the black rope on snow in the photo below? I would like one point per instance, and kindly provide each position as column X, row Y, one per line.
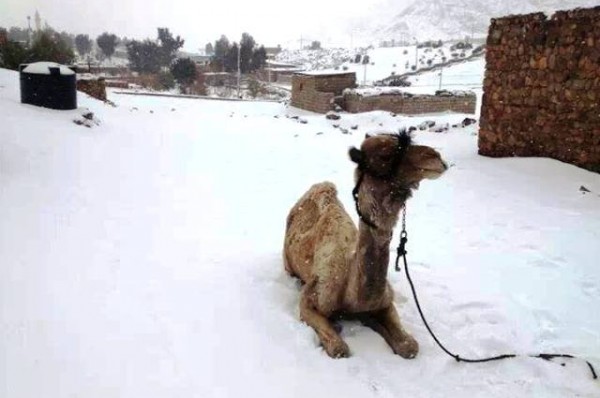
column 401, row 252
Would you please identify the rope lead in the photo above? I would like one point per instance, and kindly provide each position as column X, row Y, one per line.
column 401, row 252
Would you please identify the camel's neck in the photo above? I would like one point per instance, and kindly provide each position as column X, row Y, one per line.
column 372, row 252
column 371, row 260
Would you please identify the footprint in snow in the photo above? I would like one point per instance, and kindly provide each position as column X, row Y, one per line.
column 590, row 288
column 544, row 263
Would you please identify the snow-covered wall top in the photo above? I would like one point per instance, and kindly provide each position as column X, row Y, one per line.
column 401, row 91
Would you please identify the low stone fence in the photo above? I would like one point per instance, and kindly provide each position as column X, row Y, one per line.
column 117, row 83
column 410, row 104
column 93, row 87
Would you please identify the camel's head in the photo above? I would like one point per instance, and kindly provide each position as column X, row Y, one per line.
column 393, row 158
column 389, row 167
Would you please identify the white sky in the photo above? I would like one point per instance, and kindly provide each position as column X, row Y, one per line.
column 270, row 22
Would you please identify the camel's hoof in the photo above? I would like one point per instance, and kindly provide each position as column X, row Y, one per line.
column 338, row 349
column 408, row 349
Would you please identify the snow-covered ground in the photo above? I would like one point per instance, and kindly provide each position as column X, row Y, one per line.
column 142, row 258
column 462, row 76
column 383, row 62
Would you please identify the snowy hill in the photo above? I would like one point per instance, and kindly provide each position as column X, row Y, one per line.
column 383, row 62
column 442, row 19
column 142, row 257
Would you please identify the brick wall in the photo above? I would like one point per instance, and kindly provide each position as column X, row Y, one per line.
column 542, row 87
column 316, row 92
column 410, row 105
column 93, row 87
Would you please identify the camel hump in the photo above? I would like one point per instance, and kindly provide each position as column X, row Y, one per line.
column 312, row 204
column 326, row 189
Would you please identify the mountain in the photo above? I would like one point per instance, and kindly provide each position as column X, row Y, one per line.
column 444, row 19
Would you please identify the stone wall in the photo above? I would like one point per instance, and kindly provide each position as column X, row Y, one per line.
column 316, row 92
column 410, row 104
column 93, row 87
column 542, row 87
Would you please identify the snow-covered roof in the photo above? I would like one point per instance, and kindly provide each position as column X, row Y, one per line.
column 375, row 91
column 295, row 70
column 43, row 68
column 281, row 64
column 326, row 72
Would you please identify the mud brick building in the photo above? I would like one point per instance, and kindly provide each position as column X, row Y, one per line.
column 315, row 91
column 542, row 87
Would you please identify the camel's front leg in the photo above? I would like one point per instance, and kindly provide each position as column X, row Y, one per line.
column 386, row 322
column 330, row 339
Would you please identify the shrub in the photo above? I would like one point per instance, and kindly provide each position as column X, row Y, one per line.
column 166, row 80
column 255, row 88
column 12, row 54
column 50, row 47
column 184, row 72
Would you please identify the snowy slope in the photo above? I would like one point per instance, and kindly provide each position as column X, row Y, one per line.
column 142, row 258
column 383, row 62
column 441, row 19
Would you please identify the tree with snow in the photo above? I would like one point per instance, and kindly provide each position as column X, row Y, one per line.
column 169, row 46
column 208, row 49
column 231, row 58
column 259, row 58
column 17, row 34
column 12, row 54
column 107, row 43
column 144, row 56
column 50, row 47
column 221, row 50
column 83, row 43
column 247, row 44
column 184, row 72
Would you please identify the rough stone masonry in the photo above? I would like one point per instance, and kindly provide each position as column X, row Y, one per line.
column 542, row 87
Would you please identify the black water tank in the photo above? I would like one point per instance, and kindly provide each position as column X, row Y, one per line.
column 49, row 85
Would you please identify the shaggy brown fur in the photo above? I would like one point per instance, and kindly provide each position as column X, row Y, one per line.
column 344, row 269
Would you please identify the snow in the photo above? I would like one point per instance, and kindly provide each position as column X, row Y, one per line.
column 383, row 62
column 42, row 68
column 142, row 257
column 324, row 72
column 375, row 91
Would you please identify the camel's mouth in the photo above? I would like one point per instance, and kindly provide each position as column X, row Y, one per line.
column 434, row 171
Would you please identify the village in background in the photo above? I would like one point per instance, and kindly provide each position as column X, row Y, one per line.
column 223, row 68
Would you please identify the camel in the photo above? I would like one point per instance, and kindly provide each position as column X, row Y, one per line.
column 344, row 269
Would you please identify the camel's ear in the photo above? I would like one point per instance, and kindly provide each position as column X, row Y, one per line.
column 356, row 155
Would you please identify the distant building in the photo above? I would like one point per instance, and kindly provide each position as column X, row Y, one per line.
column 272, row 51
column 279, row 72
column 201, row 60
column 316, row 90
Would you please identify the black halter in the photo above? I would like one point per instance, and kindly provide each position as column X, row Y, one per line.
column 403, row 142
